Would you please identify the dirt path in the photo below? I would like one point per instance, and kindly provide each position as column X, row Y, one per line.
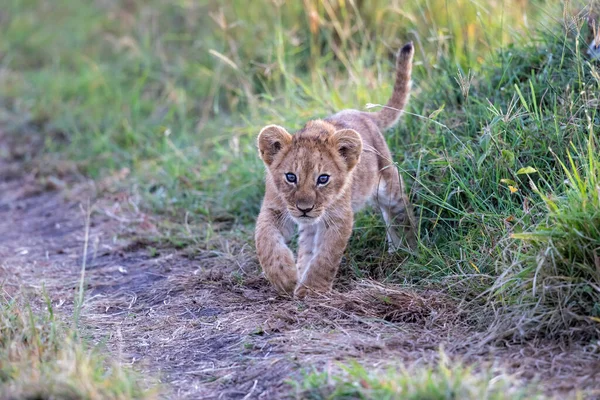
column 209, row 326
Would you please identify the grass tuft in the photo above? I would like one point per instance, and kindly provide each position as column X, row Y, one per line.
column 42, row 358
column 555, row 273
column 446, row 380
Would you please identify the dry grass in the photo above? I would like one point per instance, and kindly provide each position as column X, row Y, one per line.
column 207, row 323
column 40, row 357
column 161, row 101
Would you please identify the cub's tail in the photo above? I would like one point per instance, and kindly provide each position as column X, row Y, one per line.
column 389, row 115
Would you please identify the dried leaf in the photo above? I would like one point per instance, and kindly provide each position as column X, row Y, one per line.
column 526, row 170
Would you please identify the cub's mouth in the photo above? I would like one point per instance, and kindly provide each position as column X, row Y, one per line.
column 305, row 219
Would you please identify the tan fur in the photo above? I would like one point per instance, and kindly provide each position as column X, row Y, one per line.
column 350, row 148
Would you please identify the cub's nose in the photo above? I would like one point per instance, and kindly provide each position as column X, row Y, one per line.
column 305, row 207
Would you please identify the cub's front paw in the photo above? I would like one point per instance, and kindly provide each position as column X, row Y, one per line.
column 303, row 291
column 284, row 280
column 300, row 292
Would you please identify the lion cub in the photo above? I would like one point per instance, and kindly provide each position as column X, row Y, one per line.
column 318, row 177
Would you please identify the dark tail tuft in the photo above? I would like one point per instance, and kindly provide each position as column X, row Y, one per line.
column 389, row 115
column 408, row 48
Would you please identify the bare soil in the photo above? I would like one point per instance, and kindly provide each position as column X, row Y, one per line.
column 208, row 325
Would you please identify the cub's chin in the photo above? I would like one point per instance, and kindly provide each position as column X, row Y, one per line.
column 306, row 220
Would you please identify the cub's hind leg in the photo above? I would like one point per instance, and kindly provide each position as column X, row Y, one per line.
column 273, row 232
column 397, row 211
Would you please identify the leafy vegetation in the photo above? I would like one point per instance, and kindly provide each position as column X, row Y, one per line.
column 557, row 283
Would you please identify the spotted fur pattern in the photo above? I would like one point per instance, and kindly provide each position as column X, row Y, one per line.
column 350, row 150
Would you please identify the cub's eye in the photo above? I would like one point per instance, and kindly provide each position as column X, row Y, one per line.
column 323, row 179
column 291, row 178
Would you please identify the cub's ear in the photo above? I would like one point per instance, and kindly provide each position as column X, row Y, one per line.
column 271, row 139
column 349, row 146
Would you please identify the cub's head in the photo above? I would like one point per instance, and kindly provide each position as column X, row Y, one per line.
column 311, row 168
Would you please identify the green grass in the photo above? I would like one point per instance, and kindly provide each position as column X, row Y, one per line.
column 41, row 357
column 177, row 91
column 445, row 381
column 557, row 283
column 106, row 83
